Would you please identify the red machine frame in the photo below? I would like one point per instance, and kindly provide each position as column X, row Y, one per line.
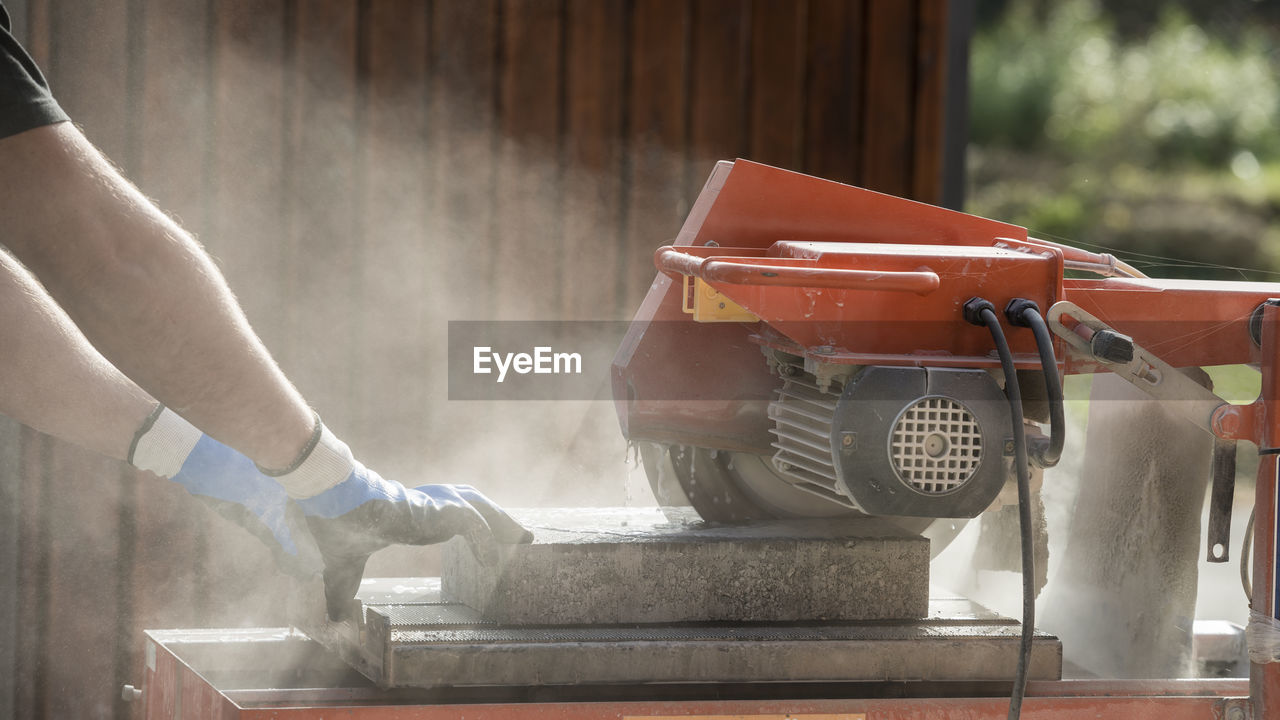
column 831, row 271
column 900, row 259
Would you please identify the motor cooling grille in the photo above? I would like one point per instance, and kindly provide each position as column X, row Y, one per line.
column 802, row 429
column 936, row 445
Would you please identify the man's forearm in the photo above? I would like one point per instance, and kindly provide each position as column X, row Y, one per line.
column 145, row 293
column 53, row 380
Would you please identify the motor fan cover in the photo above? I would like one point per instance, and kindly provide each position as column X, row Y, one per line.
column 922, row 442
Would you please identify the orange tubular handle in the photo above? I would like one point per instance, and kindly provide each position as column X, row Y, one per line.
column 671, row 260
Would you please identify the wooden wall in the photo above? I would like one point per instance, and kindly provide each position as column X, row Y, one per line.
column 366, row 171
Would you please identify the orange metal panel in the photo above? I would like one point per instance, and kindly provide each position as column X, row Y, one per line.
column 1184, row 322
column 760, row 205
column 877, row 302
column 841, row 274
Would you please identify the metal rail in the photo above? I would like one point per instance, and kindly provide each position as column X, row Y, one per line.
column 749, row 271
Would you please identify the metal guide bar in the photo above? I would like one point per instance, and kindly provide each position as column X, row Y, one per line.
column 1145, row 371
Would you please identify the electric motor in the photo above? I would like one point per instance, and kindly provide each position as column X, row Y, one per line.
column 907, row 441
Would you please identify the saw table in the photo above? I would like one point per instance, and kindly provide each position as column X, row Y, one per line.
column 630, row 596
column 678, row 619
column 411, row 649
column 283, row 674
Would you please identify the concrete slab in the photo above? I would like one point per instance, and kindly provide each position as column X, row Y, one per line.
column 407, row 635
column 605, row 566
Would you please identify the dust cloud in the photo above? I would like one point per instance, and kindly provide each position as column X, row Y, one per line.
column 397, row 206
column 357, row 205
column 1126, row 511
column 355, row 220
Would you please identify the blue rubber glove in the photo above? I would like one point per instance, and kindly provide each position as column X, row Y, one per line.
column 366, row 513
column 231, row 484
column 360, row 513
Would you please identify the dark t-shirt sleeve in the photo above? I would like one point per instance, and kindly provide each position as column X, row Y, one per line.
column 25, row 101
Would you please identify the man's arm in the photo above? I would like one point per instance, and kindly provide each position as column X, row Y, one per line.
column 52, row 379
column 153, row 303
column 145, row 293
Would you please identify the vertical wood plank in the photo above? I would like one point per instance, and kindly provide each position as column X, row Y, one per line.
column 246, row 155
column 463, row 134
column 834, row 90
column 463, row 123
column 172, row 169
column 399, row 289
column 657, row 106
column 778, row 39
column 164, row 579
column 930, row 101
column 25, row 693
column 84, row 498
column 322, row 257
column 31, row 688
column 718, row 108
column 174, row 108
column 10, row 552
column 888, row 108
column 528, row 252
column 17, row 10
column 593, row 159
column 245, row 205
column 88, row 45
column 88, row 64
column 37, row 35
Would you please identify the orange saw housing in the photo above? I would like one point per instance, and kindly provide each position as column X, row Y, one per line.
column 836, row 274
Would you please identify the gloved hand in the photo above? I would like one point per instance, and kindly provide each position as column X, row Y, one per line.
column 367, row 513
column 231, row 484
column 359, row 513
column 328, row 513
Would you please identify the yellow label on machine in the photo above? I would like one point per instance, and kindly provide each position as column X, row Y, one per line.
column 707, row 304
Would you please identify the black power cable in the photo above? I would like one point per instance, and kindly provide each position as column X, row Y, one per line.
column 981, row 312
column 1025, row 313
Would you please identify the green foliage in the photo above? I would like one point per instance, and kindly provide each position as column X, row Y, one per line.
column 1065, row 84
column 1158, row 145
column 1181, row 96
column 1238, row 384
column 1016, row 70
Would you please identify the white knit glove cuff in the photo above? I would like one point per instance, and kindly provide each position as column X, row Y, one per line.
column 163, row 447
column 327, row 464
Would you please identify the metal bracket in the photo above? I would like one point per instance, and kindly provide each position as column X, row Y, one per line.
column 1185, row 397
column 707, row 304
column 1220, row 500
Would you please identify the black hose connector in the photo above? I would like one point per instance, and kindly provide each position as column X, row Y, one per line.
column 973, row 308
column 1014, row 311
column 1111, row 346
column 1021, row 312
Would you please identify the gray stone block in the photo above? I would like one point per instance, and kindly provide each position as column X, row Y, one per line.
column 628, row 565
